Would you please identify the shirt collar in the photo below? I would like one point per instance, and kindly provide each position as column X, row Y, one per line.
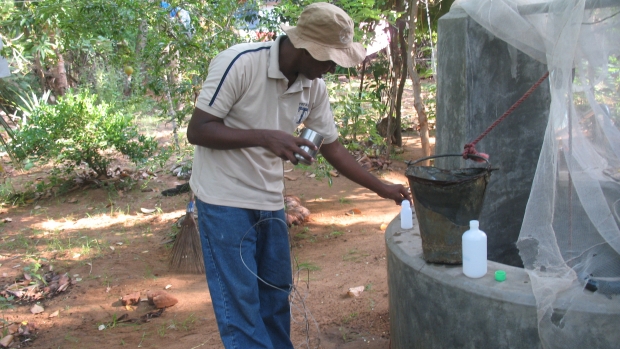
column 274, row 64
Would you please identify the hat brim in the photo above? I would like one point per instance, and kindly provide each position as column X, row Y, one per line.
column 347, row 57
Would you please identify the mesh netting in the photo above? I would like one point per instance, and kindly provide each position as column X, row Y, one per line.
column 569, row 240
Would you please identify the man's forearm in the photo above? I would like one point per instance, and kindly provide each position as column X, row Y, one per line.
column 339, row 157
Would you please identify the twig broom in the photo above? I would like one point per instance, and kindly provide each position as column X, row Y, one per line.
column 186, row 256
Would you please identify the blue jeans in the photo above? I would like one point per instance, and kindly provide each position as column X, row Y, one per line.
column 238, row 245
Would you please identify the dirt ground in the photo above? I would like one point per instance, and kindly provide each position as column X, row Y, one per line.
column 111, row 247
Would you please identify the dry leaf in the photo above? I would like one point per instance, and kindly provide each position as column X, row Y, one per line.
column 6, row 341
column 13, row 328
column 333, row 173
column 36, row 309
column 312, row 175
column 289, row 170
column 353, row 212
column 7, row 220
column 355, row 291
column 290, row 178
column 54, row 314
column 147, row 210
column 72, row 201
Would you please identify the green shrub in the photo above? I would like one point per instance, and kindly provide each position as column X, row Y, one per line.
column 79, row 130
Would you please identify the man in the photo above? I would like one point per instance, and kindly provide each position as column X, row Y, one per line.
column 254, row 97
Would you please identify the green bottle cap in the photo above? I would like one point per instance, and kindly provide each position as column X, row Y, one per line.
column 500, row 275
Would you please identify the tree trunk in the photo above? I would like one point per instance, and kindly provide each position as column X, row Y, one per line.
column 39, row 71
column 141, row 44
column 60, row 75
column 403, row 78
column 397, row 56
column 415, row 79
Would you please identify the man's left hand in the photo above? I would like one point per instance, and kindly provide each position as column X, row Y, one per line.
column 396, row 192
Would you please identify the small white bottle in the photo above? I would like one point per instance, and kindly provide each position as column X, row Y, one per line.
column 406, row 215
column 474, row 251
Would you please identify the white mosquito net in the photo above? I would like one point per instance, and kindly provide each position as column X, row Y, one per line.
column 569, row 240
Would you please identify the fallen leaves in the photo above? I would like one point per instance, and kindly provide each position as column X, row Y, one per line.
column 147, row 210
column 32, row 287
column 16, row 332
column 6, row 341
column 126, row 319
column 373, row 161
column 37, row 309
column 355, row 291
column 353, row 212
column 296, row 214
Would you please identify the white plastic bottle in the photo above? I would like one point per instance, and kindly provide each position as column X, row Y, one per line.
column 406, row 215
column 474, row 251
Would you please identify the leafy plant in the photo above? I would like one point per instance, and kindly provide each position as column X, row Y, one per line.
column 33, row 270
column 80, row 130
column 5, row 302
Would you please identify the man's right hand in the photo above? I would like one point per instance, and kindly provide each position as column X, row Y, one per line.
column 209, row 131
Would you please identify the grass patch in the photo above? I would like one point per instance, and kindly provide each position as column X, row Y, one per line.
column 344, row 201
column 348, row 318
column 308, row 266
column 354, row 255
column 335, row 234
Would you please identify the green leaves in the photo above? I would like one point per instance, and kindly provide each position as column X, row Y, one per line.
column 79, row 129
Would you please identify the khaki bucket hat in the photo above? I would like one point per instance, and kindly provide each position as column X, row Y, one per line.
column 326, row 31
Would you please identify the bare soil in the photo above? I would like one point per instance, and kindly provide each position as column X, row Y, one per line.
column 111, row 248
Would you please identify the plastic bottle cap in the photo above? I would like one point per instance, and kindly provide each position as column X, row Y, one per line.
column 500, row 275
column 473, row 225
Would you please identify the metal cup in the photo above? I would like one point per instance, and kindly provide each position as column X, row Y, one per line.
column 315, row 138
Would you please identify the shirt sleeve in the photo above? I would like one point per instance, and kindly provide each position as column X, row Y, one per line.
column 224, row 84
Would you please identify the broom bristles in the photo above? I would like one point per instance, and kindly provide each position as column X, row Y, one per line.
column 186, row 255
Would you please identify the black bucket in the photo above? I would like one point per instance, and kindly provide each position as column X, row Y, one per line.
column 445, row 201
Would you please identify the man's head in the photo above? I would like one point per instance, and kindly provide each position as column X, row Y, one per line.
column 326, row 32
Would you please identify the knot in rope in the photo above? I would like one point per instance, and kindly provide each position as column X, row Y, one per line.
column 470, row 148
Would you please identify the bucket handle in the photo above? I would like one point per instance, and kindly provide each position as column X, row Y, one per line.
column 472, row 156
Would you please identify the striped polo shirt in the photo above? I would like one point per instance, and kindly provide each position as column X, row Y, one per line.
column 246, row 88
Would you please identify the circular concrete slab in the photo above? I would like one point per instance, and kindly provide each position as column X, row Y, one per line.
column 436, row 306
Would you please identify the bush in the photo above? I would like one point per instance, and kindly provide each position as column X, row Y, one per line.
column 79, row 130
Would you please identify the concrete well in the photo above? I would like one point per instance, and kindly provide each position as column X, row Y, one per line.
column 436, row 306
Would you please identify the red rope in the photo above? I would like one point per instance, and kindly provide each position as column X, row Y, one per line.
column 470, row 148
